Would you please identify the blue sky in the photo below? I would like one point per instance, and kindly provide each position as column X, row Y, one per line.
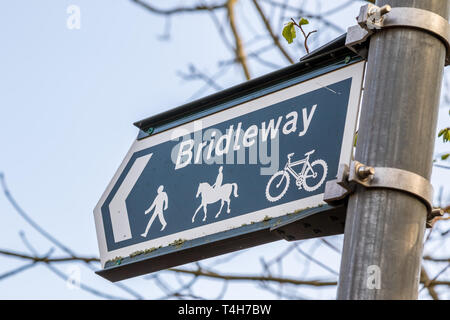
column 68, row 99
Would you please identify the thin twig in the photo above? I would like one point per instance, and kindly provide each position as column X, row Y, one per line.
column 179, row 10
column 308, row 15
column 305, row 36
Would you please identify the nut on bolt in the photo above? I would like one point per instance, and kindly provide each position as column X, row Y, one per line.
column 371, row 16
column 433, row 215
column 437, row 212
column 385, row 9
column 364, row 172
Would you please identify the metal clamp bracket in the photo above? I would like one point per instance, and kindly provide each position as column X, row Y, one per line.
column 372, row 18
column 336, row 191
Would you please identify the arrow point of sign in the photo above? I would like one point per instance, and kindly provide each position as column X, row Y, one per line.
column 117, row 208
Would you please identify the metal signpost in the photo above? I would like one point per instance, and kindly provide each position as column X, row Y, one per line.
column 388, row 211
column 233, row 170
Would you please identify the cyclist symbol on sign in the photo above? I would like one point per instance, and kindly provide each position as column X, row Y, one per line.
column 279, row 182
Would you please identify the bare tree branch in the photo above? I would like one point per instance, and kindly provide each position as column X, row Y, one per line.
column 274, row 37
column 178, row 10
column 16, row 271
column 317, row 262
column 64, row 277
column 308, row 15
column 240, row 54
column 210, row 274
column 436, row 259
column 426, row 282
column 49, row 237
column 45, row 259
column 195, row 74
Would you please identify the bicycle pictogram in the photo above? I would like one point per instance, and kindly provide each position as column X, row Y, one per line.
column 305, row 179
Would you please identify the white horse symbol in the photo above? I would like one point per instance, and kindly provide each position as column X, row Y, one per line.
column 212, row 195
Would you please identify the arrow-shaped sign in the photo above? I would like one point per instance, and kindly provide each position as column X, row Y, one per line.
column 227, row 176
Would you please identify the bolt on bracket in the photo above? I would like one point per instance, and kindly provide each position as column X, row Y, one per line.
column 373, row 19
column 338, row 190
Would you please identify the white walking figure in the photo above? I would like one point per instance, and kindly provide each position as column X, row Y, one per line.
column 211, row 194
column 159, row 204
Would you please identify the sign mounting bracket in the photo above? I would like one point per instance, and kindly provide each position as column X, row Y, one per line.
column 372, row 19
column 338, row 190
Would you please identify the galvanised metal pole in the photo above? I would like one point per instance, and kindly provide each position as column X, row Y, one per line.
column 385, row 228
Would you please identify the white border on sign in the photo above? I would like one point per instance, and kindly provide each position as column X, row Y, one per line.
column 355, row 71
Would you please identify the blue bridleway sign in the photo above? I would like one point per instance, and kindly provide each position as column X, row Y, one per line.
column 261, row 159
